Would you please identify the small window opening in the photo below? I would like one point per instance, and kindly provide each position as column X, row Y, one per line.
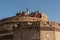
column 40, row 16
column 16, row 18
column 59, row 24
column 47, row 22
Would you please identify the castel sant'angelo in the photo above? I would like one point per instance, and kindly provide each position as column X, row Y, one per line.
column 29, row 26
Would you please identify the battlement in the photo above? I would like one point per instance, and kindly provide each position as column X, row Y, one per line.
column 26, row 16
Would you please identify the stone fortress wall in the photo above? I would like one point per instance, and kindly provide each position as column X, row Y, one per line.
column 46, row 30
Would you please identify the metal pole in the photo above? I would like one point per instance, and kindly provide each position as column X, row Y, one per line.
column 54, row 34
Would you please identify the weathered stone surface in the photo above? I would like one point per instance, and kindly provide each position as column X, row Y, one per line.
column 26, row 26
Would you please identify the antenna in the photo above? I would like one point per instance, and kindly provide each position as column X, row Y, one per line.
column 27, row 9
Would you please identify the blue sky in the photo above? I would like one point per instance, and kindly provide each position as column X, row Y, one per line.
column 50, row 7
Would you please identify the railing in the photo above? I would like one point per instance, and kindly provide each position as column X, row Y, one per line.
column 6, row 36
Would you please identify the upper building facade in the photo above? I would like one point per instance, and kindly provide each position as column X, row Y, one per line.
column 29, row 26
